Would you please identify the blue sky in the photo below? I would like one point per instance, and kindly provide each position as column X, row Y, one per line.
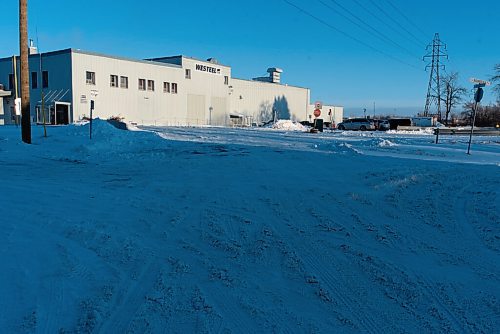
column 252, row 36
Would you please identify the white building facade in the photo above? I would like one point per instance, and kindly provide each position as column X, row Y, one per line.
column 171, row 91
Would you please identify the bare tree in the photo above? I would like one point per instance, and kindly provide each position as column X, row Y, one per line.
column 452, row 92
column 25, row 84
column 487, row 116
column 496, row 79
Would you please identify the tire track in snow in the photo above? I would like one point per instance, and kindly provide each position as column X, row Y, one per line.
column 126, row 304
column 433, row 294
column 464, row 203
column 308, row 253
column 230, row 308
column 51, row 308
column 335, row 285
column 48, row 315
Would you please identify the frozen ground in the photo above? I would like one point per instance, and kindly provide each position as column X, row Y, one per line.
column 212, row 230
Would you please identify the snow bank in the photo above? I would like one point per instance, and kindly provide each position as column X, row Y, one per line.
column 386, row 143
column 288, row 126
column 426, row 131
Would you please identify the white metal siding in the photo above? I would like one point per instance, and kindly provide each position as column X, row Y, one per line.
column 196, row 109
column 208, row 96
column 259, row 99
column 134, row 105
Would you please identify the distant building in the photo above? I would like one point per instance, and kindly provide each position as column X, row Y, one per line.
column 160, row 91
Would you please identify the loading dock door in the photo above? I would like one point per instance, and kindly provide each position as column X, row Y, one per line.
column 196, row 109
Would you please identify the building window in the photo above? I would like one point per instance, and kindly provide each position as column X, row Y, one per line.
column 151, row 85
column 113, row 80
column 90, row 78
column 124, row 82
column 45, row 79
column 226, row 80
column 142, row 84
column 166, row 87
column 11, row 81
column 188, row 73
column 174, row 88
column 34, row 80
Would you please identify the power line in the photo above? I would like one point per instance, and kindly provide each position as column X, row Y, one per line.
column 371, row 29
column 303, row 11
column 406, row 17
column 384, row 22
column 397, row 23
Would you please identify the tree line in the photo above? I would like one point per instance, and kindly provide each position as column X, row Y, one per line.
column 453, row 95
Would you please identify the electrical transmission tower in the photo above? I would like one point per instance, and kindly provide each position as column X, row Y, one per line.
column 434, row 58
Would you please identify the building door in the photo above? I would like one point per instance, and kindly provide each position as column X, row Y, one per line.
column 219, row 110
column 61, row 113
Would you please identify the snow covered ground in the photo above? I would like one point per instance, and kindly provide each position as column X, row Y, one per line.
column 216, row 230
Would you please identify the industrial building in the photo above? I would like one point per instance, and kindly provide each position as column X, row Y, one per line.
column 171, row 91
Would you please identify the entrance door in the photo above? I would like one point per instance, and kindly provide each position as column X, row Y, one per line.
column 62, row 114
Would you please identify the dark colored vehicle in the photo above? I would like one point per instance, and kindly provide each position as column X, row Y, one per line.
column 383, row 125
column 395, row 122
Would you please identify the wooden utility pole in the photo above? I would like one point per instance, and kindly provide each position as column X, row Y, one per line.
column 25, row 81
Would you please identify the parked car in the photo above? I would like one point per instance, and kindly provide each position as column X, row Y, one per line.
column 362, row 124
column 384, row 125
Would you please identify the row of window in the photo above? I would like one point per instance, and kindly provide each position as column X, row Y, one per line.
column 188, row 76
column 143, row 84
column 34, row 80
column 114, row 82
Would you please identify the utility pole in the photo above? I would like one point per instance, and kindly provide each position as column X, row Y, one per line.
column 25, row 81
column 434, row 88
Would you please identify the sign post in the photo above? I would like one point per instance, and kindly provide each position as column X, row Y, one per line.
column 93, row 93
column 478, row 96
column 91, row 110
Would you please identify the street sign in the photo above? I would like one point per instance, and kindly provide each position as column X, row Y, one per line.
column 317, row 112
column 17, row 106
column 318, row 105
column 478, row 81
column 478, row 96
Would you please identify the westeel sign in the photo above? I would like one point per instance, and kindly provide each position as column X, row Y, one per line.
column 209, row 69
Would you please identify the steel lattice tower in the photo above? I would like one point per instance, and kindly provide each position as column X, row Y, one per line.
column 434, row 90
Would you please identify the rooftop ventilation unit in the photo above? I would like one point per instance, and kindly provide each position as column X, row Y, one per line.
column 33, row 50
column 274, row 76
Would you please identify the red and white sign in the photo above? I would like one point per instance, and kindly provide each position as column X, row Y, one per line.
column 317, row 113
